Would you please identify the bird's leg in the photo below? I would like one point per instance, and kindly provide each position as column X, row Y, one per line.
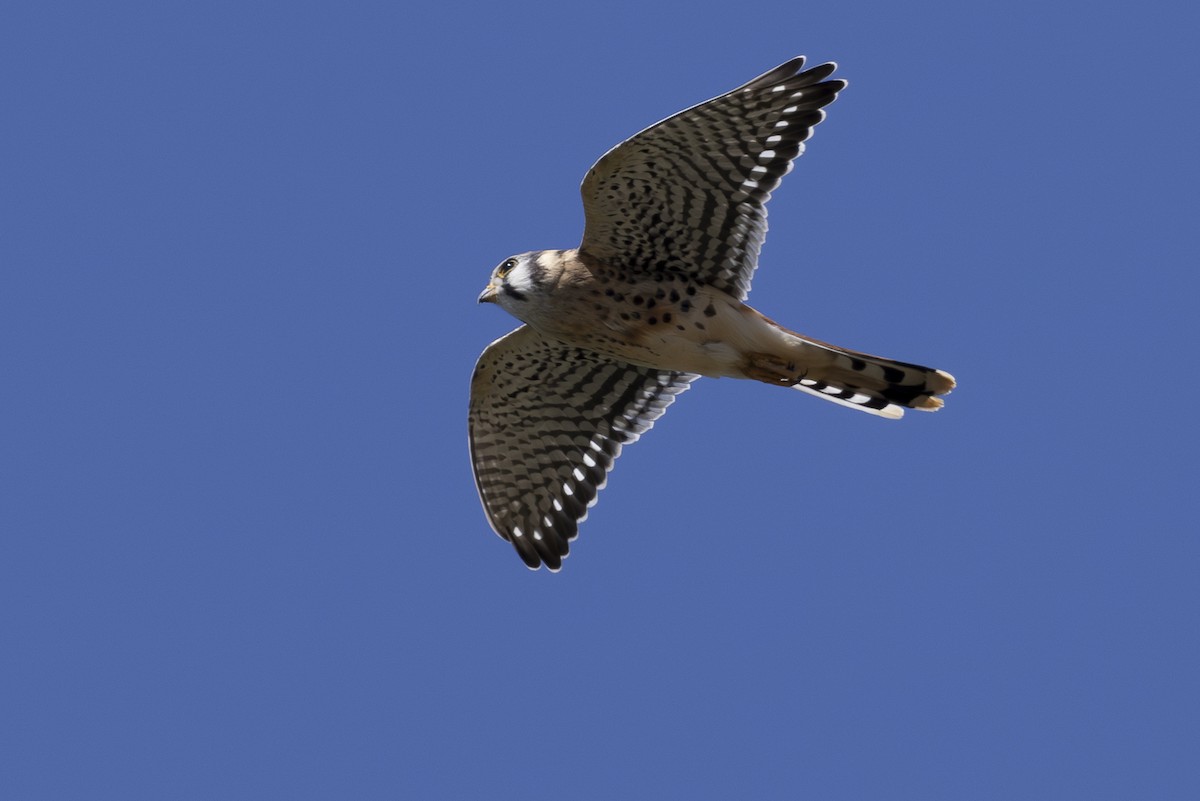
column 771, row 369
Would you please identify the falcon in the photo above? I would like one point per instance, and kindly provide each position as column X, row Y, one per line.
column 653, row 298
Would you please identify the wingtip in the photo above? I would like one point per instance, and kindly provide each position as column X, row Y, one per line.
column 820, row 72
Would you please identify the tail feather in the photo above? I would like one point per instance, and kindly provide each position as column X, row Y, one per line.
column 871, row 384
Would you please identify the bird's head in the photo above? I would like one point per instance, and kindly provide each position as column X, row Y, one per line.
column 520, row 282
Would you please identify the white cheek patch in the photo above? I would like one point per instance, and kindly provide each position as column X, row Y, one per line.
column 518, row 279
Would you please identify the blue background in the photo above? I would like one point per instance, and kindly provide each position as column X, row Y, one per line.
column 242, row 554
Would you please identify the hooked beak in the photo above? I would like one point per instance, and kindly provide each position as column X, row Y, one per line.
column 488, row 295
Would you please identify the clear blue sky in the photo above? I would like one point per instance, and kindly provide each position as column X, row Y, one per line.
column 241, row 552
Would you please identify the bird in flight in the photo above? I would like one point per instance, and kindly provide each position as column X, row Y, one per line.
column 652, row 299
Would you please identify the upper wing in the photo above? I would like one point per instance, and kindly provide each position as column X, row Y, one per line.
column 546, row 423
column 688, row 194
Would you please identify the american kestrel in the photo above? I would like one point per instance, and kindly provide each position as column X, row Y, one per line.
column 652, row 299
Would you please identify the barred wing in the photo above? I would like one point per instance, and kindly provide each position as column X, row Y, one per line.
column 688, row 195
column 546, row 422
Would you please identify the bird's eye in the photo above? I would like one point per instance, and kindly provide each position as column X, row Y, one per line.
column 506, row 268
